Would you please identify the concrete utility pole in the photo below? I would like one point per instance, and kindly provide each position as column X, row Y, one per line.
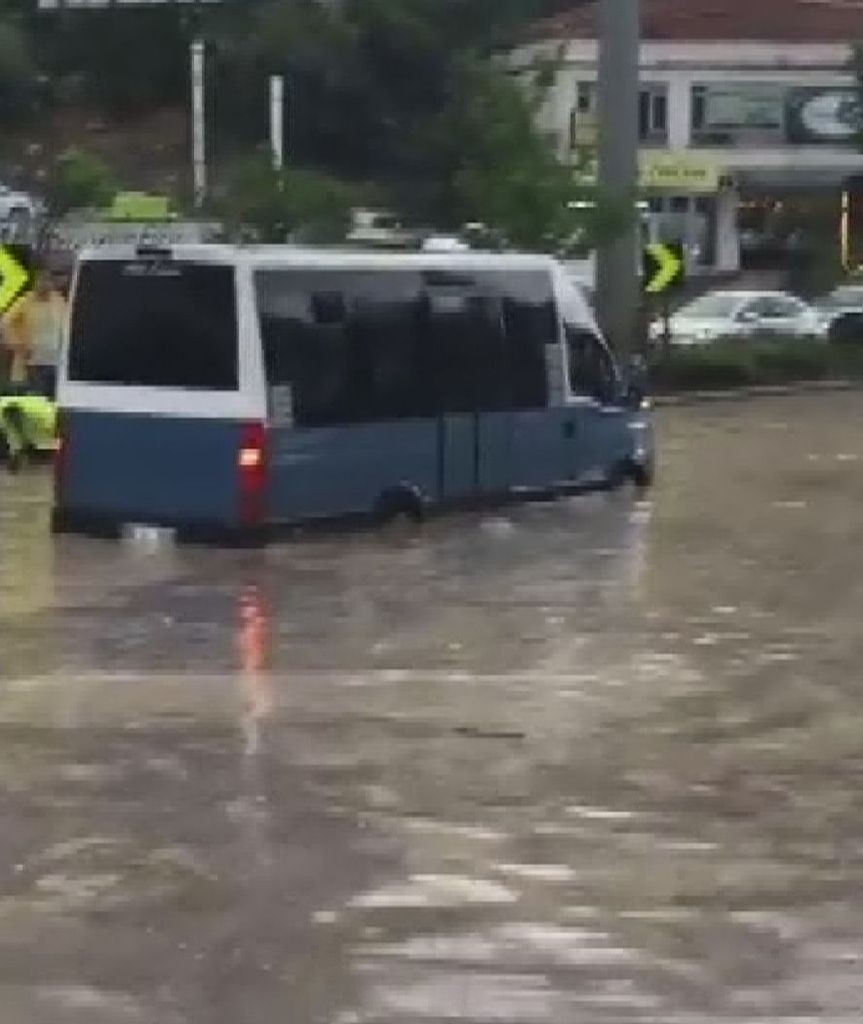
column 277, row 121
column 618, row 282
column 199, row 141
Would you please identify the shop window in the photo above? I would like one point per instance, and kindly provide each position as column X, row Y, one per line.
column 738, row 113
column 653, row 114
column 585, row 97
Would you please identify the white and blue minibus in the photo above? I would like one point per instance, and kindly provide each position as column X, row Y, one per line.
column 221, row 389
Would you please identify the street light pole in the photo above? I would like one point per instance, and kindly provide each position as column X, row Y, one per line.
column 618, row 284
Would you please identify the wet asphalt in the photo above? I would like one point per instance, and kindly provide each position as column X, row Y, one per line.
column 590, row 762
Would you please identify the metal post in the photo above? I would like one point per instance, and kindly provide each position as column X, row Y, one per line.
column 277, row 121
column 845, row 231
column 199, row 145
column 618, row 285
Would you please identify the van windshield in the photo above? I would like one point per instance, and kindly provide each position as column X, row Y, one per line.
column 155, row 324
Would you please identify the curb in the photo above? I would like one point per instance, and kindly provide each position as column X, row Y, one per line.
column 756, row 391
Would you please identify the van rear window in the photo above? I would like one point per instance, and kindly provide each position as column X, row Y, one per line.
column 155, row 324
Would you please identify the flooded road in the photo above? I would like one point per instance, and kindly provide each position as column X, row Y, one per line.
column 595, row 761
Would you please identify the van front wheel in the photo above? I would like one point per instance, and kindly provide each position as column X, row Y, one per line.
column 643, row 474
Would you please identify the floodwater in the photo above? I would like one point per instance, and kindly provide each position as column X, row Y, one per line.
column 594, row 761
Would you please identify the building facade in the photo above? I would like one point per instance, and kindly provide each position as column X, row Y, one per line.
column 749, row 119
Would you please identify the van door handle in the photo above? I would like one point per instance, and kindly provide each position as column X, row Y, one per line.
column 569, row 429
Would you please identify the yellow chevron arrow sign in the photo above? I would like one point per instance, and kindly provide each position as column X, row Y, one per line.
column 664, row 267
column 14, row 278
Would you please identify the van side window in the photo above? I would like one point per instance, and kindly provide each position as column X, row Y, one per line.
column 530, row 325
column 465, row 333
column 374, row 345
column 349, row 344
column 591, row 368
column 489, row 331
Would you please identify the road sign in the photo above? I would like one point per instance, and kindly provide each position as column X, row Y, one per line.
column 664, row 267
column 14, row 276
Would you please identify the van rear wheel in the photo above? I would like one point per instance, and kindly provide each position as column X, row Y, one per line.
column 401, row 503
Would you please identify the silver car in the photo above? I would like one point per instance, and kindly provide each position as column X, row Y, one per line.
column 845, row 300
column 721, row 315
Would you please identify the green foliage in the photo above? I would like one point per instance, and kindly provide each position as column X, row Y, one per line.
column 743, row 363
column 299, row 204
column 77, row 180
column 391, row 91
column 496, row 168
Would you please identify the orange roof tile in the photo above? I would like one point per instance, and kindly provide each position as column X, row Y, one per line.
column 799, row 21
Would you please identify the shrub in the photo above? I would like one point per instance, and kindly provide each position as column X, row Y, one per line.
column 738, row 363
column 710, row 366
column 781, row 361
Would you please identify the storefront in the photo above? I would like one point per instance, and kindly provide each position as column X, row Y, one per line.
column 690, row 203
column 788, row 151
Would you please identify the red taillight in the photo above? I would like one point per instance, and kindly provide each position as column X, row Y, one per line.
column 252, row 469
column 61, row 456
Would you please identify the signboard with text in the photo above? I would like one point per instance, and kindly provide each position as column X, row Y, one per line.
column 683, row 173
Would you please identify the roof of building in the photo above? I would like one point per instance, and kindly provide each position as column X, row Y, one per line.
column 798, row 21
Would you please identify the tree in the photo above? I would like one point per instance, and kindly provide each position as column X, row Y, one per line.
column 365, row 78
column 297, row 203
column 78, row 180
column 497, row 168
column 375, row 89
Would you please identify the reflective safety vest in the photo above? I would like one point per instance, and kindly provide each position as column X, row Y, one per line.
column 37, row 417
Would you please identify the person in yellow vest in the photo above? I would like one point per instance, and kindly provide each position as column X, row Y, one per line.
column 33, row 332
column 28, row 424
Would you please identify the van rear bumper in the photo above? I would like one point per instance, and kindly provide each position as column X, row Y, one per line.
column 96, row 524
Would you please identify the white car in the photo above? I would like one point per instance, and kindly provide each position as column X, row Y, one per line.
column 842, row 301
column 741, row 314
column 17, row 206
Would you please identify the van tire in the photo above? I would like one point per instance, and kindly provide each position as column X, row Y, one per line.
column 643, row 474
column 405, row 502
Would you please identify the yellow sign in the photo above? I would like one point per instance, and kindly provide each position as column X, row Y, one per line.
column 677, row 172
column 664, row 267
column 14, row 278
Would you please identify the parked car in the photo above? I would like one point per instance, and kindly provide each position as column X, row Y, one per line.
column 841, row 313
column 722, row 315
column 17, row 206
column 381, row 229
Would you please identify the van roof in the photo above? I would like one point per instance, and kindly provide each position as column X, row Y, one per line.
column 270, row 256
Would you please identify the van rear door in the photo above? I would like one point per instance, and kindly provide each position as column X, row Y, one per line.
column 152, row 405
